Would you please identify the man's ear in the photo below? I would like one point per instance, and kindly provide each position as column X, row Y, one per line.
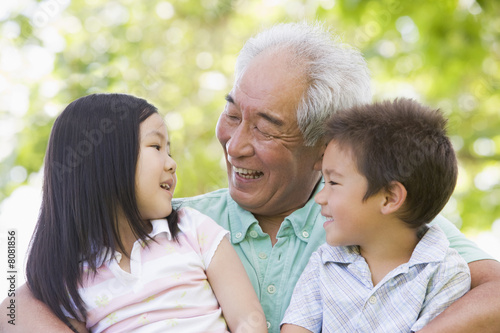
column 319, row 160
column 395, row 196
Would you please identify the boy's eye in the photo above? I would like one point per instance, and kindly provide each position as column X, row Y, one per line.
column 331, row 182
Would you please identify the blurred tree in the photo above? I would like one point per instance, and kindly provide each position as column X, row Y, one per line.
column 180, row 55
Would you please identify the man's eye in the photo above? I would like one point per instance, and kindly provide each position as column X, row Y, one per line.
column 263, row 133
column 233, row 117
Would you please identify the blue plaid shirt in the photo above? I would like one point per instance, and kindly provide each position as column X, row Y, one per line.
column 335, row 293
column 274, row 270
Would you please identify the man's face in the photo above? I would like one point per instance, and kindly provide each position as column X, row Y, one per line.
column 270, row 171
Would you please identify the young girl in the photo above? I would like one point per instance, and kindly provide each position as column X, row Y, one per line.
column 109, row 252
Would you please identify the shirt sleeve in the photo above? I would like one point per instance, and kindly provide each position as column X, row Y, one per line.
column 450, row 282
column 465, row 247
column 207, row 232
column 306, row 306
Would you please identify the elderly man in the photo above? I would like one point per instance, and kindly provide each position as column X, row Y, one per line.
column 289, row 79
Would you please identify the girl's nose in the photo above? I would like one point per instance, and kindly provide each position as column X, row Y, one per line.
column 170, row 164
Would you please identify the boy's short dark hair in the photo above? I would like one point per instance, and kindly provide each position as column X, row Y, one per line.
column 400, row 141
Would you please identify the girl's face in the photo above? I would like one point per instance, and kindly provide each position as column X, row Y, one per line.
column 155, row 176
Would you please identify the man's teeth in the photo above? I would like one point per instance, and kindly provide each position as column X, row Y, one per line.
column 165, row 186
column 248, row 174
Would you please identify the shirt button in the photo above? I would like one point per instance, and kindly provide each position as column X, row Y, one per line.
column 271, row 289
column 268, row 325
column 373, row 300
column 239, row 234
column 253, row 234
column 305, row 234
column 262, row 255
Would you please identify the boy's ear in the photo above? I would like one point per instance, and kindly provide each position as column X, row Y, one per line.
column 395, row 196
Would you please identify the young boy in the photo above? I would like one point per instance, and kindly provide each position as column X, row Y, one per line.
column 389, row 169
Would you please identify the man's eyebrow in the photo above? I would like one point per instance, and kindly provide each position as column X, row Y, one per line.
column 266, row 116
column 271, row 119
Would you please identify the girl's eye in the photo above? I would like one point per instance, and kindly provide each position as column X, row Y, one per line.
column 332, row 183
column 157, row 147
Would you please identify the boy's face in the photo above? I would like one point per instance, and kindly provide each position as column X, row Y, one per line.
column 350, row 220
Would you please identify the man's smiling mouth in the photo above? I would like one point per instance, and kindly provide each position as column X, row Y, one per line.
column 247, row 173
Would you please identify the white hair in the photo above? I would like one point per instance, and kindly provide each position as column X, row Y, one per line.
column 336, row 73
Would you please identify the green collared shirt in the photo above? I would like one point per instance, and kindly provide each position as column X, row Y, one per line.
column 274, row 270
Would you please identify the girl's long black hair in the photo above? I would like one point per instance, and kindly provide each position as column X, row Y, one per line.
column 89, row 175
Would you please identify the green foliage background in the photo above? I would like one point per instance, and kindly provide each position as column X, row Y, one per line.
column 180, row 56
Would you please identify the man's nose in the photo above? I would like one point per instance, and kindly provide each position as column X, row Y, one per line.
column 240, row 142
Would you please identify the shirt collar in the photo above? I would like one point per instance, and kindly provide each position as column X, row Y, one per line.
column 160, row 226
column 431, row 248
column 302, row 220
column 240, row 220
column 339, row 254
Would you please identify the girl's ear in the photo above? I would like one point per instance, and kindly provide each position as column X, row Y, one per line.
column 395, row 196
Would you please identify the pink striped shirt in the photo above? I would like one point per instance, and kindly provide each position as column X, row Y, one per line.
column 167, row 287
